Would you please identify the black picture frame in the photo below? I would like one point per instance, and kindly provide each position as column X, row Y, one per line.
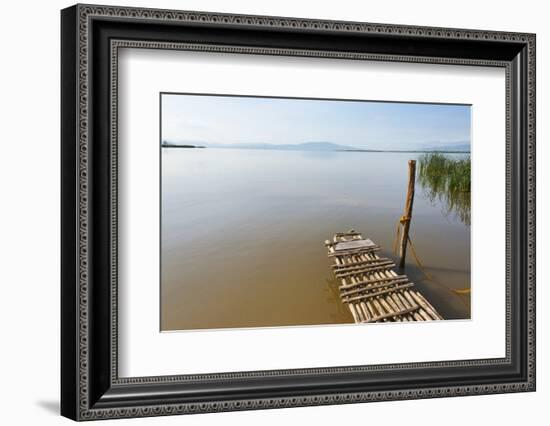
column 90, row 386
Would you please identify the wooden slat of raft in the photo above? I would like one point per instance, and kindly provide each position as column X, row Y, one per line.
column 357, row 262
column 374, row 306
column 365, row 296
column 367, row 307
column 354, row 312
column 394, row 306
column 408, row 304
column 384, row 308
column 395, row 301
column 366, row 312
column 372, row 282
column 400, row 305
column 359, row 309
column 421, row 300
column 362, row 289
column 388, row 308
column 361, row 262
column 361, row 271
column 379, row 309
column 411, row 300
column 414, row 316
column 392, row 314
column 348, row 234
column 350, row 306
column 341, row 239
column 355, row 251
column 387, row 299
column 352, row 244
column 372, row 313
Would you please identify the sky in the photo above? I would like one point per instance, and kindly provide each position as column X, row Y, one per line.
column 227, row 120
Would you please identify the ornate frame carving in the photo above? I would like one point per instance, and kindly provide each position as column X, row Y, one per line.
column 83, row 396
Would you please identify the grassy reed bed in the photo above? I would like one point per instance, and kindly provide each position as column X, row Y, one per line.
column 447, row 179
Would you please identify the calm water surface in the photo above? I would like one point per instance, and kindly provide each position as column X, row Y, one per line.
column 243, row 235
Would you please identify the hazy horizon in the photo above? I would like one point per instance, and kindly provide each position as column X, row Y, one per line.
column 225, row 121
column 316, row 145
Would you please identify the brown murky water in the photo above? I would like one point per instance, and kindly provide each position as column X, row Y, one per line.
column 243, row 235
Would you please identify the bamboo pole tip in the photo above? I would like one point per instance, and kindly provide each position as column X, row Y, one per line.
column 412, row 162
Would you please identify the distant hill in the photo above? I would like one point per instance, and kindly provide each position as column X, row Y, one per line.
column 306, row 146
column 322, row 146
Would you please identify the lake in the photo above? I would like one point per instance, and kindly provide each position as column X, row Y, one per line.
column 243, row 231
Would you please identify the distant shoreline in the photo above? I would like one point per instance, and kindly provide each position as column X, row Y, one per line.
column 324, row 150
column 183, row 146
column 319, row 146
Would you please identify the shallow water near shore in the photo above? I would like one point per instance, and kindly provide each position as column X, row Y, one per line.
column 243, row 231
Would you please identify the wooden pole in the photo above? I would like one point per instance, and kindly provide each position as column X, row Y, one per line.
column 407, row 214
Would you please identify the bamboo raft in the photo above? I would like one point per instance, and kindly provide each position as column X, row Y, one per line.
column 370, row 288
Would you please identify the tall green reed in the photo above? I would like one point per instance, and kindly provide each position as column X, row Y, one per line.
column 448, row 180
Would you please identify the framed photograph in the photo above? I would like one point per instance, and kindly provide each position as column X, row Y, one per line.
column 263, row 212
